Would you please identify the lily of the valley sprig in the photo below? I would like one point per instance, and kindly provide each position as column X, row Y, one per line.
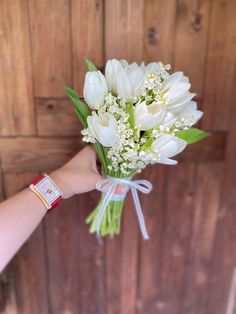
column 137, row 115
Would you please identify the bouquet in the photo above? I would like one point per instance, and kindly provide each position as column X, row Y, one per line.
column 135, row 115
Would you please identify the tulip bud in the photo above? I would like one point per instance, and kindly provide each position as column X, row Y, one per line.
column 148, row 116
column 167, row 146
column 123, row 79
column 103, row 128
column 95, row 88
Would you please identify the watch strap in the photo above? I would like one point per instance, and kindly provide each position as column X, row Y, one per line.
column 34, row 186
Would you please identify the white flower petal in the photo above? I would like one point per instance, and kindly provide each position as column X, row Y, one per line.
column 177, row 91
column 172, row 80
column 176, row 106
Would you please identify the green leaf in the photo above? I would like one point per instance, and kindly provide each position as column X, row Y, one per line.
column 130, row 110
column 81, row 109
column 192, row 135
column 91, row 67
column 101, row 155
column 148, row 143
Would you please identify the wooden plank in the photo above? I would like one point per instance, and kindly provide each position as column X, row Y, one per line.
column 209, row 149
column 28, row 268
column 36, row 154
column 16, row 97
column 176, row 236
column 150, row 251
column 113, row 275
column 197, row 274
column 91, row 261
column 47, row 153
column 192, row 23
column 51, row 46
column 220, row 67
column 75, row 267
column 87, row 37
column 159, row 30
column 124, row 30
column 56, row 117
column 224, row 255
column 123, row 40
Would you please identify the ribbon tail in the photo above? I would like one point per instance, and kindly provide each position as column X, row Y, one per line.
column 139, row 213
column 102, row 208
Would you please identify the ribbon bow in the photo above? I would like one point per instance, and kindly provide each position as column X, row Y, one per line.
column 108, row 187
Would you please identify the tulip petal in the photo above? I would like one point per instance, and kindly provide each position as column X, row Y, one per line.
column 177, row 91
column 190, row 112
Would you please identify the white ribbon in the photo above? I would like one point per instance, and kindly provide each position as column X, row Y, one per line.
column 108, row 187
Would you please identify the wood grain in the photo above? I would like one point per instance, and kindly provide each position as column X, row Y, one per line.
column 75, row 259
column 150, row 263
column 16, row 90
column 176, row 236
column 47, row 153
column 224, row 255
column 159, row 30
column 24, row 155
column 87, row 37
column 191, row 40
column 124, row 31
column 198, row 266
column 56, row 117
column 220, row 67
column 51, row 46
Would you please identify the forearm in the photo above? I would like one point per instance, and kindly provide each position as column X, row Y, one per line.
column 19, row 216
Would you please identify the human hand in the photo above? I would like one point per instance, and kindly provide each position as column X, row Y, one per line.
column 79, row 175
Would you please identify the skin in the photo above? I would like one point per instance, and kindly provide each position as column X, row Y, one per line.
column 20, row 214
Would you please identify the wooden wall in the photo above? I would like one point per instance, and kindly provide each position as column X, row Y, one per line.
column 188, row 266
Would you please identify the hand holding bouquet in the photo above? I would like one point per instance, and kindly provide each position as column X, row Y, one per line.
column 140, row 115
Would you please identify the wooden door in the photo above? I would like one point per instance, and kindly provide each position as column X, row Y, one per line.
column 189, row 265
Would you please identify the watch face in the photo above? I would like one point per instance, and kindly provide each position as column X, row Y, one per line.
column 48, row 189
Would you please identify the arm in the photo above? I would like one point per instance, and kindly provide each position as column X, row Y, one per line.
column 20, row 214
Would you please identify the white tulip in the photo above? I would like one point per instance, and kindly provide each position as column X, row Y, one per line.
column 168, row 120
column 176, row 87
column 103, row 127
column 148, row 116
column 167, row 146
column 189, row 114
column 95, row 88
column 123, row 79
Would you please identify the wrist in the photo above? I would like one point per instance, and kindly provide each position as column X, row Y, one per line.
column 59, row 178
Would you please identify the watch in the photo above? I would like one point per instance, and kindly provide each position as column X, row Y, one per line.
column 47, row 190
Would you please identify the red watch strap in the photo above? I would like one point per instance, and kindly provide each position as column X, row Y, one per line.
column 37, row 180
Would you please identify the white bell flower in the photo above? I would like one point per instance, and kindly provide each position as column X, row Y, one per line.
column 148, row 116
column 95, row 89
column 103, row 127
column 167, row 146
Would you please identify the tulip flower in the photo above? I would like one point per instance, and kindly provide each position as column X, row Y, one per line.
column 176, row 87
column 189, row 114
column 95, row 89
column 103, row 128
column 167, row 146
column 148, row 116
column 123, row 79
